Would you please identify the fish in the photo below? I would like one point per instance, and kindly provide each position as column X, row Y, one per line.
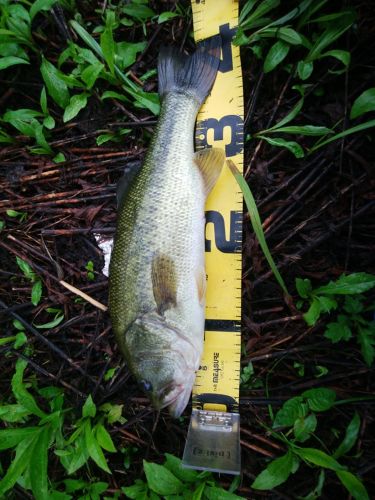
column 157, row 279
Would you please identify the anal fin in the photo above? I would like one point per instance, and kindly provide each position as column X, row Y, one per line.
column 210, row 162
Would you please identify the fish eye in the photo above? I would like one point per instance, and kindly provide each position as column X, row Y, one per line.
column 146, row 385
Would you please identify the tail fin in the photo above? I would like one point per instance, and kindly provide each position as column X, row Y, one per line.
column 193, row 74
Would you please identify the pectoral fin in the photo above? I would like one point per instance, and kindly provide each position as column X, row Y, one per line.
column 163, row 275
column 200, row 277
column 210, row 162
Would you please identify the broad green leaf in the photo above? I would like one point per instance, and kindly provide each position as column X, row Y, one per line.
column 347, row 285
column 24, row 453
column 49, row 122
column 198, row 492
column 78, row 456
column 114, row 95
column 276, row 473
column 9, row 438
column 90, row 74
column 20, row 340
column 173, row 464
column 337, row 331
column 353, row 305
column 12, row 413
column 93, row 448
column 166, row 16
column 304, row 69
column 138, row 10
column 38, row 467
column 127, row 53
column 292, row 146
column 51, row 324
column 59, row 158
column 72, row 485
column 20, row 392
column 104, row 439
column 327, row 303
column 318, row 457
column 303, row 427
column 215, row 493
column 341, row 55
column 40, row 5
column 256, row 222
column 312, row 130
column 291, row 410
column 161, row 480
column 366, row 338
column 351, row 435
column 363, row 104
column 340, row 135
column 36, row 292
column 313, row 313
column 5, row 62
column 275, row 56
column 261, row 10
column 147, row 100
column 77, row 102
column 56, row 86
column 137, row 491
column 355, row 487
column 320, row 399
column 89, row 408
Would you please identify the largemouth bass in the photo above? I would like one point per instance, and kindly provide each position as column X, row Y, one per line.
column 157, row 273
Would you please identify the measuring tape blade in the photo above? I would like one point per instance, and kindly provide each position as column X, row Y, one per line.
column 213, row 437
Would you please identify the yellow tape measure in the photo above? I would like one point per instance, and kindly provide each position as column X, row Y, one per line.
column 213, row 437
column 220, row 124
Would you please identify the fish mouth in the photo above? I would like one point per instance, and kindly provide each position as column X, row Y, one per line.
column 179, row 403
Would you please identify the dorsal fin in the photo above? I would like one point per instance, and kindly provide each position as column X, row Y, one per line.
column 210, row 162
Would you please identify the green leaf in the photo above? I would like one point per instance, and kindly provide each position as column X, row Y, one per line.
column 93, row 448
column 113, row 413
column 5, row 62
column 90, row 74
column 137, row 491
column 320, row 399
column 291, row 410
column 38, row 467
column 104, row 439
column 89, row 408
column 303, row 427
column 107, row 45
column 59, row 158
column 339, row 330
column 40, row 5
column 215, row 493
column 49, row 122
column 349, row 284
column 340, row 135
column 56, row 86
column 327, row 304
column 318, row 457
column 161, row 480
column 289, row 117
column 342, row 55
column 127, row 53
column 51, row 324
column 353, row 305
column 256, row 222
column 36, row 292
column 77, row 102
column 22, row 264
column 366, row 338
column 139, row 11
column 275, row 56
column 9, row 438
column 276, row 473
column 313, row 314
column 351, row 435
column 311, row 130
column 261, row 10
column 353, row 485
column 304, row 69
column 166, row 16
column 173, row 464
column 363, row 104
column 24, row 453
column 292, row 146
column 20, row 392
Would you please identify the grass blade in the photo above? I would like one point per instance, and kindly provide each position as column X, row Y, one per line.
column 256, row 222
